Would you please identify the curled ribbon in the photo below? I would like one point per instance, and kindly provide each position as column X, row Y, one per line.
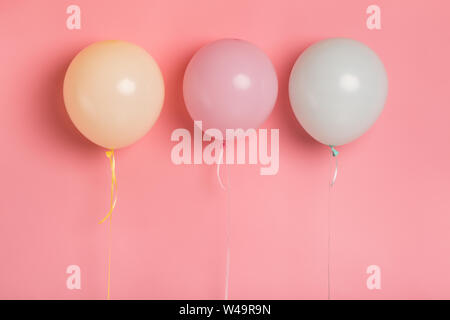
column 218, row 168
column 112, row 162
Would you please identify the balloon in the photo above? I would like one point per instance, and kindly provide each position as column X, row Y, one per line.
column 337, row 90
column 230, row 84
column 113, row 92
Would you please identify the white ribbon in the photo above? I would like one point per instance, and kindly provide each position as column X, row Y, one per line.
column 334, row 154
column 335, row 171
column 228, row 223
column 219, row 178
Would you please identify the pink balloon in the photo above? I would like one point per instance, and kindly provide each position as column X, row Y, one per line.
column 230, row 84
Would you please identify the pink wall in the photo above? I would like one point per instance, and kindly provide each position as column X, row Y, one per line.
column 391, row 202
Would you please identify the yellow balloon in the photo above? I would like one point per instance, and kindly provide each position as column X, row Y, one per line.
column 113, row 92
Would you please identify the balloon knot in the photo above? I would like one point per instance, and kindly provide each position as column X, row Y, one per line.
column 334, row 152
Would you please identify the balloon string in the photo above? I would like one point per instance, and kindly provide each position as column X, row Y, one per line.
column 228, row 219
column 108, row 297
column 334, row 154
column 228, row 237
column 112, row 162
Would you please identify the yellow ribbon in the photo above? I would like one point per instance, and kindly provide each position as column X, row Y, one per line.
column 112, row 162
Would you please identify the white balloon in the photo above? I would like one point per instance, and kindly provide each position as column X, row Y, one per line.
column 337, row 90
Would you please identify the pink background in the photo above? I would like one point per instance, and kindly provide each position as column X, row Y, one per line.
column 390, row 205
